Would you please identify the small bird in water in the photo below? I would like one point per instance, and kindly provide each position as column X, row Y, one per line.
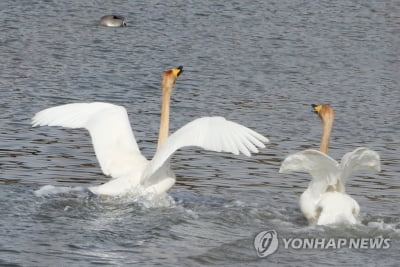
column 112, row 21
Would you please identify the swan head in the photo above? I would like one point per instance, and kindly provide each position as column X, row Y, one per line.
column 169, row 78
column 325, row 112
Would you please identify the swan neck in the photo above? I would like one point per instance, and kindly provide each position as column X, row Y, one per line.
column 326, row 134
column 164, row 120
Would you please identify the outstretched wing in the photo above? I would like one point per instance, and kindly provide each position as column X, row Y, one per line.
column 323, row 169
column 361, row 158
column 210, row 133
column 113, row 140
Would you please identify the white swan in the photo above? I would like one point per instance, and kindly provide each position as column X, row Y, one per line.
column 119, row 155
column 112, row 21
column 325, row 200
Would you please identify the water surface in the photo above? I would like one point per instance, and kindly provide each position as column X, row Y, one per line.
column 260, row 64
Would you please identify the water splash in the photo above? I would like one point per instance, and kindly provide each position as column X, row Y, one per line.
column 48, row 190
column 137, row 195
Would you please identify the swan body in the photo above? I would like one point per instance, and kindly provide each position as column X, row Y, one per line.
column 325, row 200
column 112, row 21
column 119, row 155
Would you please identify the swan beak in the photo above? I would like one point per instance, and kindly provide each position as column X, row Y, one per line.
column 178, row 70
column 316, row 108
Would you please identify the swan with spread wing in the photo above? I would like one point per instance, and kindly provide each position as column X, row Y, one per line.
column 325, row 201
column 119, row 155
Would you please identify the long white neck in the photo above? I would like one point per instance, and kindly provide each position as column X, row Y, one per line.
column 326, row 134
column 164, row 121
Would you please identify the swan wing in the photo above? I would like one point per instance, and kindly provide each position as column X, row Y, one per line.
column 209, row 133
column 112, row 137
column 323, row 169
column 361, row 158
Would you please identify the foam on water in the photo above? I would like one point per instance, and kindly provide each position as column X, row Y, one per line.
column 381, row 226
column 142, row 198
column 49, row 190
column 192, row 204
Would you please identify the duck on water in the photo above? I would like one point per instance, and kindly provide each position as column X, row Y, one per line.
column 112, row 21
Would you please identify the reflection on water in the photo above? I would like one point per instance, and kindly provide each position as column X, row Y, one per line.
column 261, row 64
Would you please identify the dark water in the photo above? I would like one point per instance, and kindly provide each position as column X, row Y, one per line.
column 259, row 63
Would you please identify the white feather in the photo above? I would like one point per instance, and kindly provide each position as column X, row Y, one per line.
column 325, row 200
column 112, row 137
column 323, row 169
column 118, row 152
column 361, row 158
column 209, row 133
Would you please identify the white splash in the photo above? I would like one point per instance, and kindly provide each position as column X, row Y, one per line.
column 49, row 190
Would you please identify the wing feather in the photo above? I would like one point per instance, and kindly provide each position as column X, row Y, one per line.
column 209, row 133
column 324, row 170
column 112, row 137
column 360, row 159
